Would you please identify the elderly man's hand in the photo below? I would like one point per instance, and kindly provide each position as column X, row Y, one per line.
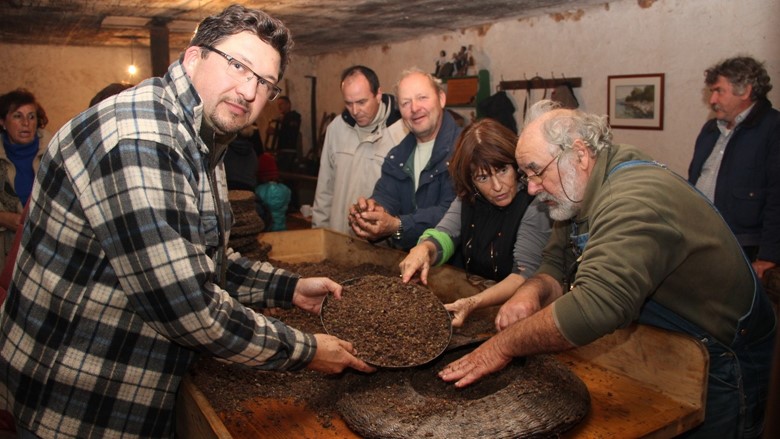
column 370, row 221
column 482, row 361
column 363, row 205
column 522, row 304
column 360, row 206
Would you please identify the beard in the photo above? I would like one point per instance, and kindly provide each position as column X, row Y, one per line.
column 225, row 122
column 565, row 206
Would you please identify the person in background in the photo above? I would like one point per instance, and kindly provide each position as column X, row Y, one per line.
column 274, row 195
column 491, row 219
column 461, row 61
column 242, row 159
column 108, row 91
column 355, row 146
column 439, row 63
column 24, row 142
column 286, row 132
column 124, row 276
column 632, row 241
column 415, row 188
column 736, row 160
column 241, row 168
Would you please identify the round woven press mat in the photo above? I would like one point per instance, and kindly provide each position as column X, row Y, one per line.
column 535, row 397
column 390, row 323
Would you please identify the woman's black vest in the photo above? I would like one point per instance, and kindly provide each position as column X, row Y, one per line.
column 488, row 234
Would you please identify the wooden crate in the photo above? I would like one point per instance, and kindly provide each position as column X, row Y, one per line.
column 643, row 381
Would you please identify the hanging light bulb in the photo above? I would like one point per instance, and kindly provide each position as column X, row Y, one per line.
column 132, row 69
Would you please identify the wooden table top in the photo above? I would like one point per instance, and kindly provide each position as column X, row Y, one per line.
column 622, row 405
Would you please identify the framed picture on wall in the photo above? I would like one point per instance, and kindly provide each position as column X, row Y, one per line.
column 636, row 101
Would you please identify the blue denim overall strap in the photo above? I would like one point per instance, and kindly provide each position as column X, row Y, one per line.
column 758, row 321
column 753, row 327
column 761, row 306
column 739, row 372
column 738, row 375
column 757, row 287
column 577, row 243
column 579, row 240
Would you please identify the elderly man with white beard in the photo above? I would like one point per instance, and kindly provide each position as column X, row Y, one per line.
column 632, row 242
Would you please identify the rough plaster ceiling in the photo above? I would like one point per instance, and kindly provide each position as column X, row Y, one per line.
column 318, row 26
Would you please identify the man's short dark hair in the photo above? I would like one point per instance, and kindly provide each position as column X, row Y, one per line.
column 236, row 19
column 108, row 91
column 373, row 80
column 741, row 71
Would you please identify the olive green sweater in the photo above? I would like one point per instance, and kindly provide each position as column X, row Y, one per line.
column 651, row 235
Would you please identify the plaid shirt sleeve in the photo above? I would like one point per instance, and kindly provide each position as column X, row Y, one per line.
column 157, row 224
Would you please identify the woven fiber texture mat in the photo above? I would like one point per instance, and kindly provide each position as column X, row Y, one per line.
column 247, row 225
column 533, row 397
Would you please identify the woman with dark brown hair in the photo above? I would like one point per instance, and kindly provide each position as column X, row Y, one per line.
column 22, row 120
column 493, row 229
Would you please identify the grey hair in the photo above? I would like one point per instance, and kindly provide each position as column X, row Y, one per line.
column 540, row 108
column 435, row 82
column 561, row 131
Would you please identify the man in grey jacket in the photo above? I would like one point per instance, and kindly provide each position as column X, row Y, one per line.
column 355, row 147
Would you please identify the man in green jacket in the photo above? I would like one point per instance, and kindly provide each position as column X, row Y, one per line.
column 632, row 242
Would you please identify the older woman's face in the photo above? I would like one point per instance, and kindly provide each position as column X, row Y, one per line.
column 499, row 186
column 21, row 124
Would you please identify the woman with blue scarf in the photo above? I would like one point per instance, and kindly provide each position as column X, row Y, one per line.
column 22, row 120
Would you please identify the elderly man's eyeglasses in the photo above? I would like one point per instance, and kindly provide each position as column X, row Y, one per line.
column 537, row 177
column 238, row 71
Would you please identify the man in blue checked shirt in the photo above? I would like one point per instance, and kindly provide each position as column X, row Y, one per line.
column 124, row 277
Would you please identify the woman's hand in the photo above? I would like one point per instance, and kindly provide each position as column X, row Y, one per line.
column 10, row 220
column 418, row 260
column 461, row 309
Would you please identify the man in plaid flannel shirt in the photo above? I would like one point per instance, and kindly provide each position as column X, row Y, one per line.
column 124, row 277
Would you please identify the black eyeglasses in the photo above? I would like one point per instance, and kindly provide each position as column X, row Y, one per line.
column 537, row 177
column 240, row 72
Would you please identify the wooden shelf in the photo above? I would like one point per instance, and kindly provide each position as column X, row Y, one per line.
column 536, row 83
column 467, row 91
